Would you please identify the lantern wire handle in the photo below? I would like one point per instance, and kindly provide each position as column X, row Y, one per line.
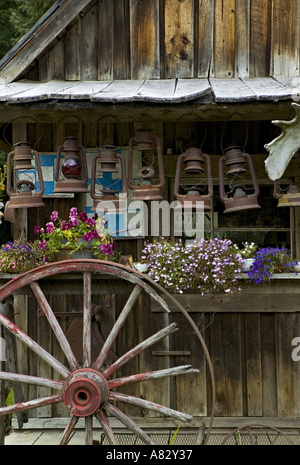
column 108, row 140
column 201, row 121
column 147, row 116
column 71, row 116
column 246, row 139
column 13, row 121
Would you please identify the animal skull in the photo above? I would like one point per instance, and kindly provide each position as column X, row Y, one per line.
column 283, row 148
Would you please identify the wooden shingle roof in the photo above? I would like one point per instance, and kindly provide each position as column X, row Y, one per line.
column 50, row 29
column 153, row 91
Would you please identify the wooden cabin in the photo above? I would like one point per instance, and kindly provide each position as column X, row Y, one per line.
column 199, row 73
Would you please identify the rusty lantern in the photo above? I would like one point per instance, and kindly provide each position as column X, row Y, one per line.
column 197, row 166
column 291, row 198
column 148, row 187
column 104, row 167
column 71, row 174
column 237, row 198
column 25, row 185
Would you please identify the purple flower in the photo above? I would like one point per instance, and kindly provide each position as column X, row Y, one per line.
column 73, row 221
column 54, row 216
column 42, row 245
column 88, row 236
column 101, row 222
column 107, row 249
column 73, row 212
column 50, row 228
column 90, row 222
column 83, row 217
column 64, row 226
column 38, row 229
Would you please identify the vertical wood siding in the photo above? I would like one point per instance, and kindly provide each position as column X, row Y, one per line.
column 161, row 39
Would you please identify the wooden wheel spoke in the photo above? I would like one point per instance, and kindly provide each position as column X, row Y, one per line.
column 131, row 425
column 35, row 380
column 145, row 404
column 117, row 327
column 68, row 431
column 55, row 399
column 89, row 431
column 176, row 371
column 55, row 325
column 87, row 320
column 34, row 346
column 85, row 389
column 139, row 348
column 106, row 428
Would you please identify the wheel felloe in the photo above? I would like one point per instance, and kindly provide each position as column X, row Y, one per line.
column 86, row 392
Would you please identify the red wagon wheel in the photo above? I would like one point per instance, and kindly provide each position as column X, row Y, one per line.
column 88, row 389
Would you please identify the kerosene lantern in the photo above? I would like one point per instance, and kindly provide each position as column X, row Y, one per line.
column 25, row 185
column 200, row 186
column 237, row 198
column 71, row 174
column 106, row 179
column 289, row 197
column 146, row 184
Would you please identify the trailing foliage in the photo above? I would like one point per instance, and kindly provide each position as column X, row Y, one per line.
column 270, row 260
column 206, row 267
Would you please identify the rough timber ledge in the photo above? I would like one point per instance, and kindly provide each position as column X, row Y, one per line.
column 236, row 90
column 35, row 432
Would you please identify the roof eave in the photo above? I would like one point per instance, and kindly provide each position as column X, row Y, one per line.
column 45, row 31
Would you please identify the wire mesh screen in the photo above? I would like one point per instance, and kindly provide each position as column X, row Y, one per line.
column 190, row 439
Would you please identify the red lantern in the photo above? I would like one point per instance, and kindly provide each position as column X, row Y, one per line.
column 71, row 174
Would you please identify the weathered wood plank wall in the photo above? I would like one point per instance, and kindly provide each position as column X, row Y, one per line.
column 153, row 39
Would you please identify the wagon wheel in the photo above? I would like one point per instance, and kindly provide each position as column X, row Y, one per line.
column 248, row 435
column 86, row 389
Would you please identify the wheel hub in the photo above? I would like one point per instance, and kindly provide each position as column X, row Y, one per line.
column 86, row 392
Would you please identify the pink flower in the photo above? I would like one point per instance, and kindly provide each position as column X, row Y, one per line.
column 42, row 245
column 54, row 216
column 38, row 229
column 64, row 226
column 73, row 212
column 73, row 221
column 50, row 228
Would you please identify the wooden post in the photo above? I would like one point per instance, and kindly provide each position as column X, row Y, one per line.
column 2, row 393
column 20, row 229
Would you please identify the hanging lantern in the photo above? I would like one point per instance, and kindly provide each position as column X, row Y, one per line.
column 104, row 167
column 71, row 174
column 202, row 191
column 144, row 183
column 25, row 185
column 291, row 198
column 237, row 198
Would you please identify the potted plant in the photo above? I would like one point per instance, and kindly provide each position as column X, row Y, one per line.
column 268, row 261
column 209, row 266
column 77, row 233
column 248, row 253
column 21, row 255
